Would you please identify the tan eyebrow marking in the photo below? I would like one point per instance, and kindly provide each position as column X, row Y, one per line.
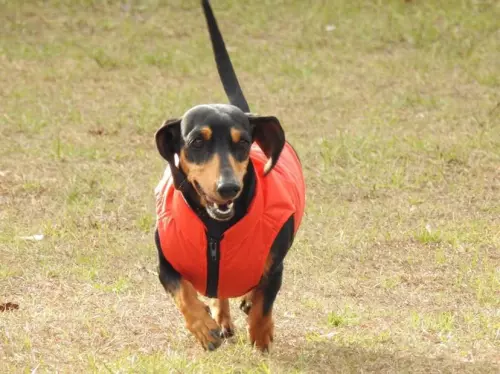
column 235, row 135
column 206, row 132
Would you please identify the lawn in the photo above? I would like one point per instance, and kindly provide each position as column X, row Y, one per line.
column 394, row 108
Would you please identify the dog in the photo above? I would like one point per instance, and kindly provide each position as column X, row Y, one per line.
column 228, row 208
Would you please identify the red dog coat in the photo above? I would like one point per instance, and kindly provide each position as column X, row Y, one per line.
column 245, row 246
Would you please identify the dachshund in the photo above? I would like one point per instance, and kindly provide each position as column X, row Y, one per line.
column 228, row 208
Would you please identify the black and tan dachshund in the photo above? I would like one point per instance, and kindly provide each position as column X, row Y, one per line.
column 228, row 209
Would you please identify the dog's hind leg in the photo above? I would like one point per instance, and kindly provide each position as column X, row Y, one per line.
column 246, row 302
column 222, row 314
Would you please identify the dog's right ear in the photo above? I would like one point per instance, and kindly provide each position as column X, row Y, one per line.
column 168, row 138
column 168, row 142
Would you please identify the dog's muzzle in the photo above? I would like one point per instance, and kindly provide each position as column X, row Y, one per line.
column 219, row 212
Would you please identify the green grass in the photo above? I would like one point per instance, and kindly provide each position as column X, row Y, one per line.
column 394, row 107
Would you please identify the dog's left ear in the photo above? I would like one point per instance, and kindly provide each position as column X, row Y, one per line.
column 168, row 139
column 270, row 137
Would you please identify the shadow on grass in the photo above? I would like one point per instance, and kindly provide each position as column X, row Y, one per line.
column 327, row 357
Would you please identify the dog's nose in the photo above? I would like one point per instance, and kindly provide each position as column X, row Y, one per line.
column 228, row 190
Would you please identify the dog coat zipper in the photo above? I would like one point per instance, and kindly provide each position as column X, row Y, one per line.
column 213, row 260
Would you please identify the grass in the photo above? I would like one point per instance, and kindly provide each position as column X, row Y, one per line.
column 394, row 107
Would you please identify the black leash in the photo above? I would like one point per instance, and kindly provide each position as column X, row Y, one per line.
column 223, row 61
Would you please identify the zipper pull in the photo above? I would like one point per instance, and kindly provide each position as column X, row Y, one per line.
column 213, row 249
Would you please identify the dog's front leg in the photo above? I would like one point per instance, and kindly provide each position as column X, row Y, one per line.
column 195, row 312
column 260, row 315
column 197, row 315
column 258, row 303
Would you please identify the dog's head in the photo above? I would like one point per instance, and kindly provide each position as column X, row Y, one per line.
column 212, row 143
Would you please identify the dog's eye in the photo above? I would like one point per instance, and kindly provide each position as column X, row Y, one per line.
column 197, row 142
column 243, row 142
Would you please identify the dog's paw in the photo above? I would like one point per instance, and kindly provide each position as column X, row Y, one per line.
column 221, row 312
column 227, row 329
column 205, row 329
column 261, row 333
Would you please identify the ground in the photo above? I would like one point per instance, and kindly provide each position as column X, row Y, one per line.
column 394, row 107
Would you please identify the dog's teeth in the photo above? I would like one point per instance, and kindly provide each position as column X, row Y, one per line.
column 223, row 208
column 218, row 211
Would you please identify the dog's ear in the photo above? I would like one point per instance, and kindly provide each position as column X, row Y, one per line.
column 168, row 142
column 270, row 137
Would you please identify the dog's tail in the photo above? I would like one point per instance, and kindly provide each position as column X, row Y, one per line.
column 224, row 65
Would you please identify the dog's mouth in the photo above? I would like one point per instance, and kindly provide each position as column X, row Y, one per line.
column 220, row 211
